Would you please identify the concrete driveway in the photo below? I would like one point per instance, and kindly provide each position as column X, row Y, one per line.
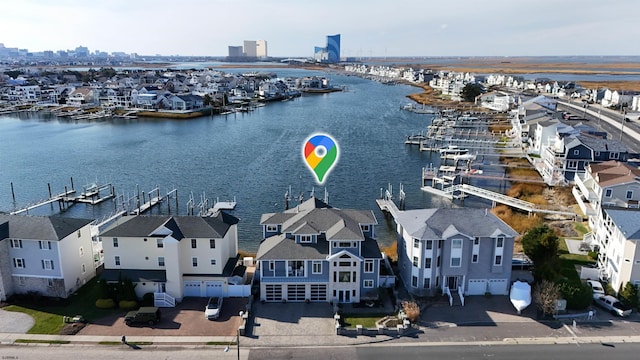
column 292, row 319
column 15, row 322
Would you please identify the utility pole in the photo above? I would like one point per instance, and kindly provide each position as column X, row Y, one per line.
column 624, row 116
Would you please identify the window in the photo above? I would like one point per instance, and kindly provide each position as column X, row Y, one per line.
column 572, row 164
column 456, row 243
column 368, row 266
column 305, row 238
column 194, row 261
column 79, row 233
column 272, row 228
column 47, row 264
column 629, row 194
column 213, row 261
column 498, row 260
column 160, row 260
column 476, row 241
column 576, row 152
column 596, row 153
column 429, row 245
column 272, row 265
column 474, row 258
column 115, row 242
column 608, row 192
column 499, row 242
column 159, row 243
column 455, row 262
column 415, row 261
column 18, row 263
column 344, row 244
column 83, row 268
column 427, row 263
column 81, row 250
column 50, row 283
column 440, row 244
column 427, row 283
column 614, row 155
column 437, row 281
column 212, row 243
column 16, row 243
column 344, row 276
column 316, row 267
column 438, row 261
column 416, row 243
column 414, row 281
column 194, row 243
column 117, row 260
column 45, row 245
column 364, row 227
column 345, row 263
column 368, row 284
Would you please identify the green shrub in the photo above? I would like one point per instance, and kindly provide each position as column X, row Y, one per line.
column 105, row 304
column 608, row 289
column 127, row 304
column 148, row 299
column 629, row 295
column 578, row 296
column 593, row 255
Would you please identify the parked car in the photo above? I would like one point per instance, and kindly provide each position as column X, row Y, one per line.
column 213, row 308
column 612, row 304
column 145, row 315
column 596, row 287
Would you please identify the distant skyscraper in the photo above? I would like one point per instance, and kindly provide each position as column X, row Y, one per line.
column 250, row 49
column 261, row 49
column 235, row 51
column 333, row 48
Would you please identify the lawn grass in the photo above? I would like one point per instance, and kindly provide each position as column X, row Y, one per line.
column 366, row 320
column 48, row 316
column 569, row 261
column 37, row 341
column 580, row 228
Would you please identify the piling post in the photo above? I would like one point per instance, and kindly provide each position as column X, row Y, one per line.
column 72, row 188
column 13, row 195
column 49, row 186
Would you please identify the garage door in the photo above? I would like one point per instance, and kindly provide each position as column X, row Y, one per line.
column 213, row 288
column 192, row 288
column 477, row 287
column 498, row 286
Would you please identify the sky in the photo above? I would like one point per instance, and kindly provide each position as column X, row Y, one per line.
column 292, row 28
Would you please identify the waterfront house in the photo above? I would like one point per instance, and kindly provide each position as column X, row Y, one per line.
column 617, row 237
column 185, row 102
column 82, row 96
column 172, row 256
column 50, row 256
column 318, row 253
column 457, row 251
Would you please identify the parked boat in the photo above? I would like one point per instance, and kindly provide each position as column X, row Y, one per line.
column 520, row 295
column 453, row 150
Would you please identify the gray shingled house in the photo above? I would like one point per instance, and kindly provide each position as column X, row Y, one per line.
column 317, row 253
column 458, row 249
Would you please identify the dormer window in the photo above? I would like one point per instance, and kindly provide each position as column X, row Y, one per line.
column 608, row 193
column 364, row 227
column 345, row 244
column 272, row 228
column 305, row 238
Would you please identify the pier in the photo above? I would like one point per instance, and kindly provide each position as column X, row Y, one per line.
column 386, row 204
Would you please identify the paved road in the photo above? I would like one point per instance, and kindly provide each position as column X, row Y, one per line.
column 15, row 322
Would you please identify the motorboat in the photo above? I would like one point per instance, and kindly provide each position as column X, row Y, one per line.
column 520, row 295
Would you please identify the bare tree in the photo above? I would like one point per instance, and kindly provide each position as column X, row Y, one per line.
column 546, row 294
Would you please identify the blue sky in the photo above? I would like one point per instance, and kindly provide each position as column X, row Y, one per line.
column 294, row 27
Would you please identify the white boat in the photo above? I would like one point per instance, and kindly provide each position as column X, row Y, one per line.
column 520, row 295
column 453, row 150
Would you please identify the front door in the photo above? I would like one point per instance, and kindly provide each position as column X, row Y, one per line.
column 452, row 282
column 162, row 287
column 344, row 296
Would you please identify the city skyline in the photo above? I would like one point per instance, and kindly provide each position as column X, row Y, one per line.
column 377, row 28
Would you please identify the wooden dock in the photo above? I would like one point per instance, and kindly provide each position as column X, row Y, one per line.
column 55, row 198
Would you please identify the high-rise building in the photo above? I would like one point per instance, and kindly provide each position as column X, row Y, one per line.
column 250, row 49
column 235, row 52
column 333, row 48
column 261, row 49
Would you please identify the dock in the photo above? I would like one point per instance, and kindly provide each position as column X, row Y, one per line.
column 220, row 205
column 55, row 198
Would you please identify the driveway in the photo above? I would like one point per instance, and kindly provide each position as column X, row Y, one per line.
column 186, row 319
column 291, row 320
column 15, row 322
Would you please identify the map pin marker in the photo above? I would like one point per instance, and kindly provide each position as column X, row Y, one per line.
column 320, row 152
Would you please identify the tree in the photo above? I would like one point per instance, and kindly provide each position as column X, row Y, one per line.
column 206, row 100
column 629, row 295
column 578, row 295
column 470, row 91
column 546, row 294
column 541, row 246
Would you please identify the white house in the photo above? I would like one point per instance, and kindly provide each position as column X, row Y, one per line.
column 176, row 256
column 49, row 255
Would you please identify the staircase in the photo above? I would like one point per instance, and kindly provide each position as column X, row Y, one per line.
column 161, row 299
column 456, row 299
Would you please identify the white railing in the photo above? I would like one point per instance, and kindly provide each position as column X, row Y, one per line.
column 161, row 299
column 448, row 293
column 461, row 295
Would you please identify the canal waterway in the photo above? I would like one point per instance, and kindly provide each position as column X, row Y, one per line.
column 253, row 157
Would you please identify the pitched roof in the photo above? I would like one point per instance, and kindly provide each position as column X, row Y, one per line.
column 41, row 227
column 627, row 220
column 279, row 247
column 431, row 224
column 602, row 145
column 613, row 173
column 180, row 226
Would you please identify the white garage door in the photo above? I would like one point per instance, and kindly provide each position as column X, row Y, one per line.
column 498, row 286
column 477, row 287
column 192, row 288
column 214, row 288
